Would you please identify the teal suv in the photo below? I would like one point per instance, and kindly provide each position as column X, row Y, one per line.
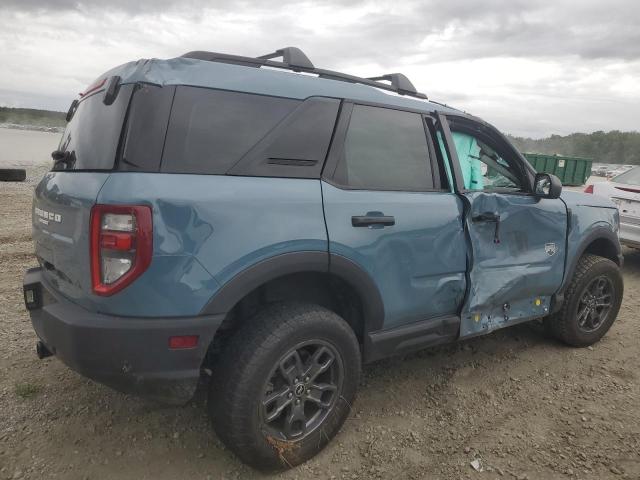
column 261, row 227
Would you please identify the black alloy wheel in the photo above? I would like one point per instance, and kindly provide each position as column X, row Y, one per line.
column 301, row 390
column 595, row 304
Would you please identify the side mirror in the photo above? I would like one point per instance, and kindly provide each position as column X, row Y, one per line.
column 546, row 185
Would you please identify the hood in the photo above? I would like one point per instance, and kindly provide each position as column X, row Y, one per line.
column 575, row 199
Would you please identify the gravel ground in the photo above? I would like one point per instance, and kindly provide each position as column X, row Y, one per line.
column 520, row 404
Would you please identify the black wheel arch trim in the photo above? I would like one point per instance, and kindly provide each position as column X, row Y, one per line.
column 358, row 278
column 598, row 233
column 300, row 262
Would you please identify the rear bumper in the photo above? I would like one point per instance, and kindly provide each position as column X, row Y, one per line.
column 129, row 354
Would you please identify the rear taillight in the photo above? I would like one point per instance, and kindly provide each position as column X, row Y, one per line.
column 589, row 189
column 121, row 246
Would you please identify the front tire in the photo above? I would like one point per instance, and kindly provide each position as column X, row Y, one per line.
column 592, row 302
column 284, row 385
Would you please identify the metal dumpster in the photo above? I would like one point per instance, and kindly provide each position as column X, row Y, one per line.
column 570, row 170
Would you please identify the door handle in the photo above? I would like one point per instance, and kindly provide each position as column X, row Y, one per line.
column 372, row 220
column 489, row 217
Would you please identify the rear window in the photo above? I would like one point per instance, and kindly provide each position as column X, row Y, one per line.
column 93, row 134
column 210, row 130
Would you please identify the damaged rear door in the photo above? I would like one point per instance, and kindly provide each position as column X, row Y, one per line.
column 517, row 241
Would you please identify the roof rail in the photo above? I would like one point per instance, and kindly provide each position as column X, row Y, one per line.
column 294, row 59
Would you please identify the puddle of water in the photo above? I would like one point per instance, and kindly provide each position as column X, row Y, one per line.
column 19, row 148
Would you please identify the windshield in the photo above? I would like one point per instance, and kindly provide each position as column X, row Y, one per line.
column 630, row 177
column 90, row 140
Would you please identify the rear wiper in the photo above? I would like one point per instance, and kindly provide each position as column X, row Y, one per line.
column 62, row 157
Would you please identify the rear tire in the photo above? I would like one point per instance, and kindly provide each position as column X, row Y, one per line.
column 12, row 174
column 591, row 304
column 284, row 385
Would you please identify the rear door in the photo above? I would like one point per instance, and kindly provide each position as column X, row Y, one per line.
column 518, row 241
column 388, row 211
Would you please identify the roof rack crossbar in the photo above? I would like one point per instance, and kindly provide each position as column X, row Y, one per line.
column 292, row 56
column 294, row 59
column 399, row 81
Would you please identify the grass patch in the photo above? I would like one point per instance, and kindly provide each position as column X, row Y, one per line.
column 26, row 390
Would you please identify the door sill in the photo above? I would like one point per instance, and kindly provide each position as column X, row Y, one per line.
column 410, row 338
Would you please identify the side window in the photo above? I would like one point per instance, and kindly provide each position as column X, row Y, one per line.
column 297, row 147
column 385, row 149
column 483, row 168
column 146, row 128
column 210, row 130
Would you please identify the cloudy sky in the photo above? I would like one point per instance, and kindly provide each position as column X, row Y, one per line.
column 531, row 67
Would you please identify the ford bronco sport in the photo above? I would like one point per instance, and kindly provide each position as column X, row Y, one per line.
column 268, row 226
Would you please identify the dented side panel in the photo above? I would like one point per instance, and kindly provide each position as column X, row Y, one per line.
column 515, row 272
column 418, row 264
column 589, row 216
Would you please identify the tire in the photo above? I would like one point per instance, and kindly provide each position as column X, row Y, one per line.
column 247, row 373
column 12, row 174
column 565, row 324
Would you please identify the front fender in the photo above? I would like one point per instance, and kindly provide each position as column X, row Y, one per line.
column 589, row 226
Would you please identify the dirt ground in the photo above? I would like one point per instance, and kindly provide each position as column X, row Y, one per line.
column 523, row 405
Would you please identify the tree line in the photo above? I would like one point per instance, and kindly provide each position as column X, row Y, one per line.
column 603, row 147
column 30, row 116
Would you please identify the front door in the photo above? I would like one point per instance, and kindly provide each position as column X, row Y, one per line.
column 517, row 240
column 388, row 212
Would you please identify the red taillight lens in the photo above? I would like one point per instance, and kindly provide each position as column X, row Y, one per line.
column 589, row 189
column 121, row 246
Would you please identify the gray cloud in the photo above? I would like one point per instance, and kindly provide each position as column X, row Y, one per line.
column 520, row 28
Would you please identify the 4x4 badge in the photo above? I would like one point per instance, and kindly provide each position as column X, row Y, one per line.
column 550, row 249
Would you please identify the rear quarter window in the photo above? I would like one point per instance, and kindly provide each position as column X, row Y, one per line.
column 145, row 128
column 210, row 130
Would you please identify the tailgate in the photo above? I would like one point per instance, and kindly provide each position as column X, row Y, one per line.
column 61, row 212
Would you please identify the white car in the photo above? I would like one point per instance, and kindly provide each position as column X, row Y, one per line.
column 624, row 191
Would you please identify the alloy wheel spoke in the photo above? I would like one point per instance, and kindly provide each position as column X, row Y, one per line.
column 323, row 387
column 602, row 283
column 319, row 363
column 281, row 399
column 582, row 315
column 594, row 319
column 317, row 392
column 295, row 418
column 292, row 368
